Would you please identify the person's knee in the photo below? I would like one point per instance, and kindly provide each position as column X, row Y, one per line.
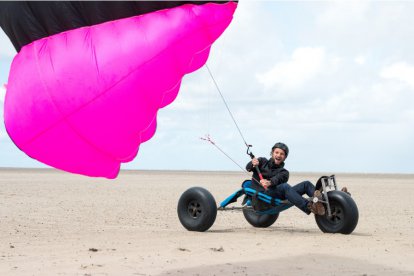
column 285, row 187
column 305, row 187
column 307, row 183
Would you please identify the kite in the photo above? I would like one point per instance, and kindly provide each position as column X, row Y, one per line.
column 89, row 77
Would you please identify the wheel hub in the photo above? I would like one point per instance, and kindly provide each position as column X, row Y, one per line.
column 194, row 209
column 337, row 215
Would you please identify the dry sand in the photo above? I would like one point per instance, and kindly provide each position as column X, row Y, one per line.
column 53, row 223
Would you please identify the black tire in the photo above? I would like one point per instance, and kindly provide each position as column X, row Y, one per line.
column 197, row 209
column 344, row 214
column 258, row 220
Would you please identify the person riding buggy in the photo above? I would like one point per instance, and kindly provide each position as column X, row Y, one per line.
column 271, row 178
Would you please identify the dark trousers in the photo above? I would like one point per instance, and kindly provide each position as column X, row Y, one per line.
column 294, row 194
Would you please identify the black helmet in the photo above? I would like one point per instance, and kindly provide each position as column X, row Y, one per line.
column 281, row 146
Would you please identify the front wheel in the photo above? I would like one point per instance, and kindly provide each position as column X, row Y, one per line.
column 259, row 220
column 344, row 217
column 197, row 209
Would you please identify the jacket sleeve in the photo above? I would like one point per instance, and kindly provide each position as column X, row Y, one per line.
column 279, row 178
column 249, row 166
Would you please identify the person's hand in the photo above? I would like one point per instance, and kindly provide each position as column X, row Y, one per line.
column 265, row 183
column 255, row 162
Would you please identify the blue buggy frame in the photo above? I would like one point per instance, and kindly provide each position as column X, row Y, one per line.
column 275, row 205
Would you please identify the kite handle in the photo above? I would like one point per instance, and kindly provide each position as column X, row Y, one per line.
column 252, row 156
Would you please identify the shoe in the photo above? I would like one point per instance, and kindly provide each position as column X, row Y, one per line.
column 316, row 208
column 345, row 190
column 317, row 194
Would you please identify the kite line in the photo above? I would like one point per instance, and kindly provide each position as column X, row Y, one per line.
column 208, row 138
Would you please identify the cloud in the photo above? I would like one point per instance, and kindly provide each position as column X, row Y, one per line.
column 6, row 47
column 360, row 60
column 371, row 27
column 304, row 64
column 2, row 129
column 2, row 94
column 399, row 71
column 342, row 13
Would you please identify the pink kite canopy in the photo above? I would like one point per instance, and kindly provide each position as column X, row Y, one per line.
column 84, row 100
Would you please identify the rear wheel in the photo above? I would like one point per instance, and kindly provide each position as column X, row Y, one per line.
column 344, row 217
column 197, row 209
column 259, row 220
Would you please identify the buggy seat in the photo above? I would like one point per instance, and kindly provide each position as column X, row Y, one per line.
column 247, row 189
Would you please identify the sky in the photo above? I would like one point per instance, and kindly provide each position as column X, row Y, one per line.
column 334, row 80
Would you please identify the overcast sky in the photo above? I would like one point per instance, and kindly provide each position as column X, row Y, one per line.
column 333, row 80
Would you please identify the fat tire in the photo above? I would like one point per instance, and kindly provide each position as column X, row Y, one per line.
column 259, row 220
column 345, row 214
column 197, row 209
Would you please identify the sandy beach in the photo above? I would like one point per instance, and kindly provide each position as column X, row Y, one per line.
column 54, row 223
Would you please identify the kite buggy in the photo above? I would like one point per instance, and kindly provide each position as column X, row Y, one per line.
column 197, row 207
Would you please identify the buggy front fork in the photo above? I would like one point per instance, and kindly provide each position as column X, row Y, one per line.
column 328, row 184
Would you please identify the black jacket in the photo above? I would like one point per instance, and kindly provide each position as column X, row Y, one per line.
column 277, row 174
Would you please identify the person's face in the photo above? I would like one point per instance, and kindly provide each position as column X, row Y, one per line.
column 278, row 155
